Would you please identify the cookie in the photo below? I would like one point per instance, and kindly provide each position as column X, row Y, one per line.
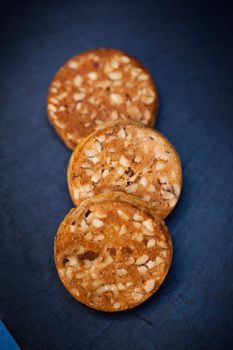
column 127, row 157
column 111, row 253
column 98, row 86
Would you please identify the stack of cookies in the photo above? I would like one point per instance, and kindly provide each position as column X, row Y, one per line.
column 113, row 250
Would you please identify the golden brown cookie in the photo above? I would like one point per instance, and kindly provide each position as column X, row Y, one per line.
column 98, row 86
column 111, row 253
column 127, row 157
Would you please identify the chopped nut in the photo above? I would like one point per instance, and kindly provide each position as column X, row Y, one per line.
column 149, row 285
column 116, row 98
column 107, row 261
column 51, row 107
column 130, row 261
column 76, row 193
column 137, row 225
column 79, row 96
column 159, row 166
column 117, row 75
column 142, row 259
column 72, row 228
column 137, row 159
column 129, row 284
column 135, row 71
column 151, row 264
column 162, row 244
column 121, row 272
column 124, row 59
column 92, row 75
column 73, row 64
column 133, row 111
column 173, row 202
column 124, row 161
column 62, row 95
column 96, row 178
column 120, row 171
column 121, row 133
column 89, row 236
column 73, row 261
column 116, row 305
column 137, row 296
column 103, row 84
column 85, row 165
column 158, row 260
column 147, row 99
column 94, row 159
column 163, row 179
column 90, row 152
column 120, row 286
column 107, row 288
column 78, row 80
column 176, row 188
column 142, row 269
column 69, row 273
column 89, row 172
column 151, row 188
column 164, row 157
column 151, row 243
column 143, row 77
column 123, row 230
column 97, row 223
column 143, row 181
column 132, row 188
column 53, row 100
column 101, row 138
column 114, row 115
column 99, row 237
column 97, row 146
column 137, row 217
column 123, row 215
column 167, row 195
column 86, row 188
column 105, row 173
column 148, row 225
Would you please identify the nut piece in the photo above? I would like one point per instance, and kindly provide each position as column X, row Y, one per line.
column 121, row 272
column 137, row 217
column 148, row 224
column 149, row 285
column 116, row 98
column 92, row 75
column 151, row 243
column 78, row 80
column 142, row 259
column 142, row 269
column 137, row 295
column 117, row 75
column 124, row 161
column 97, row 223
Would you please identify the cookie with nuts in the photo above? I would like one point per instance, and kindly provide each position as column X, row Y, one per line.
column 111, row 253
column 98, row 86
column 127, row 157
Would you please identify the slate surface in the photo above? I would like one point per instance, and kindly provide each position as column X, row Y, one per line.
column 188, row 48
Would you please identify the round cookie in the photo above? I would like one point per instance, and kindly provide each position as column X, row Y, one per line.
column 99, row 86
column 127, row 157
column 111, row 254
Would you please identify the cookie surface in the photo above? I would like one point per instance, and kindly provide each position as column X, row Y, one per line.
column 127, row 157
column 110, row 254
column 98, row 86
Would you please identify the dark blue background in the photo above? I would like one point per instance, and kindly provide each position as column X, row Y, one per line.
column 188, row 47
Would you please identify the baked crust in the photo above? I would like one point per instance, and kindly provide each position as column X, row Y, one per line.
column 112, row 253
column 98, row 86
column 127, row 157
